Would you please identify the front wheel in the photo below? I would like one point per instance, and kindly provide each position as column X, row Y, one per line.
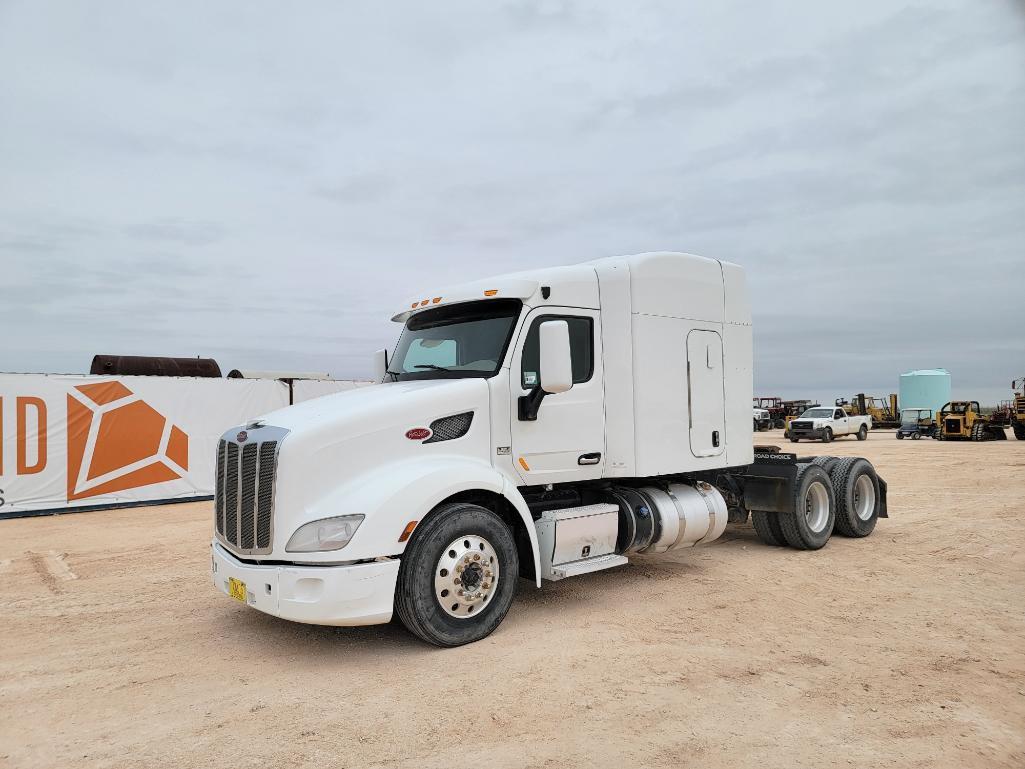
column 900, row 435
column 458, row 575
column 793, row 439
column 827, row 435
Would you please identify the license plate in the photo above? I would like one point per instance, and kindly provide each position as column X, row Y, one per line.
column 237, row 589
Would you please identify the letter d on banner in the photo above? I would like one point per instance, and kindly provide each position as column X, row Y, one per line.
column 24, row 468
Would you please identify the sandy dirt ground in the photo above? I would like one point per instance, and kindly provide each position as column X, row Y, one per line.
column 903, row 649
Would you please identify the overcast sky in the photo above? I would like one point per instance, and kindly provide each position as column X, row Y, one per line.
column 266, row 183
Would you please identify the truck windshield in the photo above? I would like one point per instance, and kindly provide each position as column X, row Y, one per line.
column 455, row 342
column 811, row 413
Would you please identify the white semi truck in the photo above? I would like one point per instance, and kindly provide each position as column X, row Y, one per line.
column 542, row 425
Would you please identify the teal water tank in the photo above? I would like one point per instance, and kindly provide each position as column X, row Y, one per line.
column 927, row 389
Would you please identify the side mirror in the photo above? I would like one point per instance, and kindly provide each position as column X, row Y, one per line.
column 556, row 360
column 556, row 368
column 380, row 365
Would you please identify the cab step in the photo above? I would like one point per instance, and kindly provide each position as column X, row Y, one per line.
column 586, row 566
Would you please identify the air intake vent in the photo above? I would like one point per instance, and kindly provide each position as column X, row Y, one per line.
column 449, row 428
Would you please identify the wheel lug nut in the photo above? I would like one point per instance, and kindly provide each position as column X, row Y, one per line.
column 476, row 556
column 460, row 567
column 460, row 592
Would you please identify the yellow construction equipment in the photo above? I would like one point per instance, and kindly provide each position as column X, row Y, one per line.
column 1018, row 409
column 963, row 420
column 884, row 412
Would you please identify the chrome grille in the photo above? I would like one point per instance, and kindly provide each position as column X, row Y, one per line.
column 244, row 495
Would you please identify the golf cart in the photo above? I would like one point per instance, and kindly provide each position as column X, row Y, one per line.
column 915, row 423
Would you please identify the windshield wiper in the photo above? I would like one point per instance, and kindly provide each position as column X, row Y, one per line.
column 431, row 366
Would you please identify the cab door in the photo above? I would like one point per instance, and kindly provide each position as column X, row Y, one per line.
column 566, row 442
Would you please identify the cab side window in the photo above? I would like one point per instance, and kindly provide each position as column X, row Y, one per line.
column 838, row 414
column 581, row 343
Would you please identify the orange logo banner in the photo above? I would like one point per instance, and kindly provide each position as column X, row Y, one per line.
column 117, row 441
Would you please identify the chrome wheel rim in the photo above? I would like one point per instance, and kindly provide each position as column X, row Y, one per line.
column 466, row 576
column 864, row 497
column 816, row 507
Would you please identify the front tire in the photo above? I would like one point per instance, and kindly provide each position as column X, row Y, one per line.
column 458, row 575
column 827, row 435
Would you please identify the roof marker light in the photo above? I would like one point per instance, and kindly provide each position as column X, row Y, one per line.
column 491, row 292
column 423, row 303
column 435, row 300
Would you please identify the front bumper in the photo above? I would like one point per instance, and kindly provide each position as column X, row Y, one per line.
column 358, row 594
column 806, row 432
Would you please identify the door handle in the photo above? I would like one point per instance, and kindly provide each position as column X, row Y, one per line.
column 589, row 459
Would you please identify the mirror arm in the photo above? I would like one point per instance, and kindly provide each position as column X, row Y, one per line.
column 530, row 404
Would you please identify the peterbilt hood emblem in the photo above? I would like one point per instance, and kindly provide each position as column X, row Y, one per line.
column 242, row 437
column 418, row 433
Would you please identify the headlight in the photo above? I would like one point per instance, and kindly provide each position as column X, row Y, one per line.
column 325, row 534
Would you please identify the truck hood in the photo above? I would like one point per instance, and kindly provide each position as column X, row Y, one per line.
column 391, row 408
column 341, row 447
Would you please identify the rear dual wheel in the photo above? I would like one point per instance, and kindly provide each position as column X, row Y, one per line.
column 811, row 523
column 767, row 528
column 857, row 496
column 814, row 503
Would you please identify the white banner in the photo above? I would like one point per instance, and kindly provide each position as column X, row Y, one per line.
column 81, row 441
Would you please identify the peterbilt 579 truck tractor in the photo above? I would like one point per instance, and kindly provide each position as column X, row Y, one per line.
column 540, row 425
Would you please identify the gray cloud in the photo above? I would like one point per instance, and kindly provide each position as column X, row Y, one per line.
column 269, row 185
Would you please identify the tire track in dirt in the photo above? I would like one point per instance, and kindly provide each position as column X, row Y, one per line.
column 52, row 569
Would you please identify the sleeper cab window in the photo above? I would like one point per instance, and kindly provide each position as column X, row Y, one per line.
column 581, row 344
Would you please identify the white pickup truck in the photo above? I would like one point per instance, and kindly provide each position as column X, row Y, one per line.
column 542, row 425
column 827, row 422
